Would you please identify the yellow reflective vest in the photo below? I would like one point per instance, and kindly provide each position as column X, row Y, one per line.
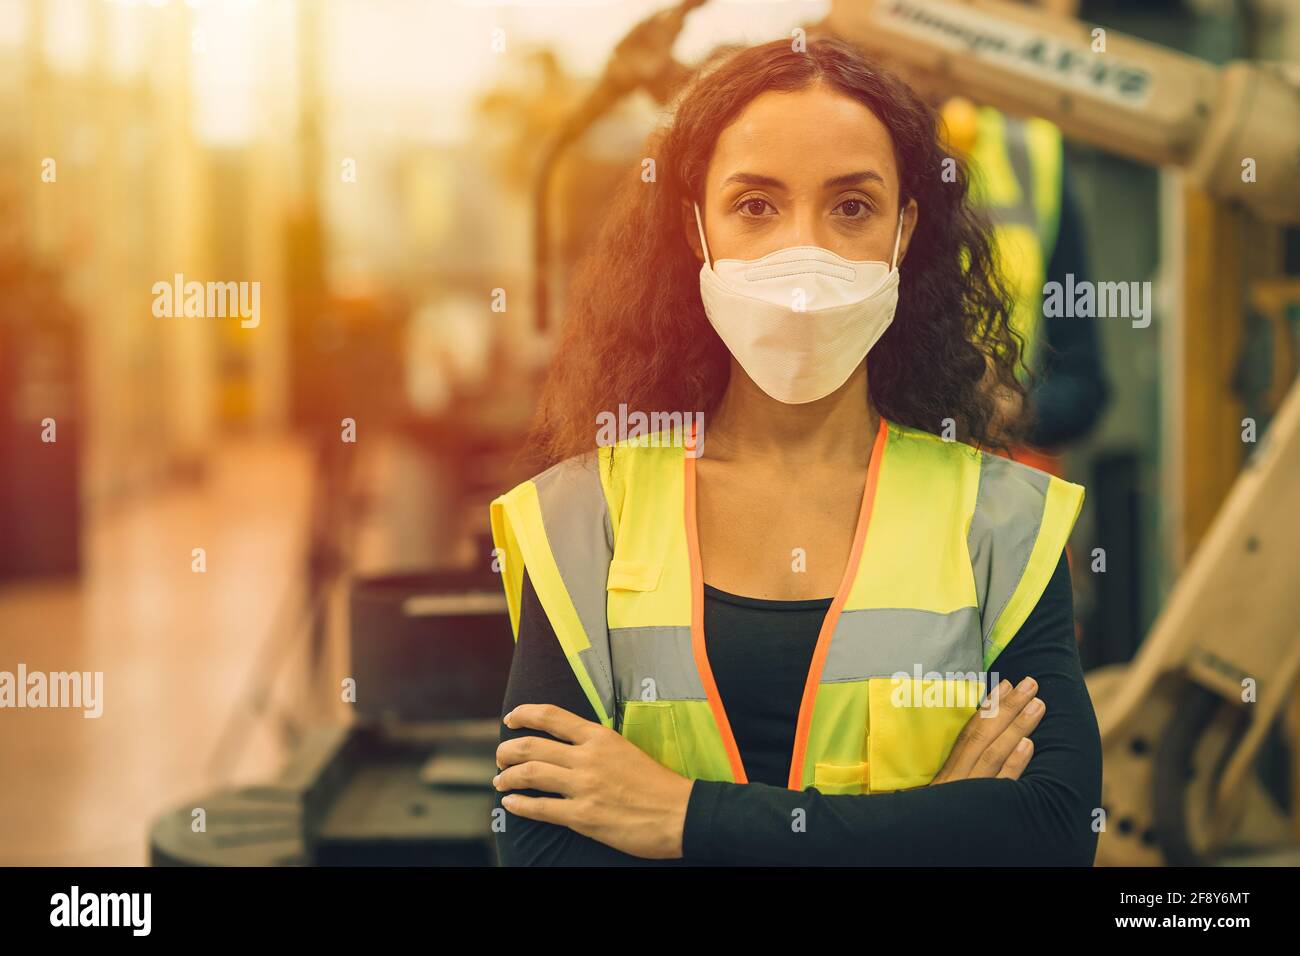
column 1015, row 169
column 952, row 550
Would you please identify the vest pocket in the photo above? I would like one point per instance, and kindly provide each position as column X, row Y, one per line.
column 652, row 726
column 914, row 724
column 840, row 778
column 633, row 576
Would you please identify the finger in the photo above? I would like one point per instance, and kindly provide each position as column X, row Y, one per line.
column 523, row 749
column 993, row 716
column 985, row 726
column 547, row 809
column 1008, row 698
column 1015, row 764
column 960, row 757
column 556, row 721
column 535, row 775
column 996, row 754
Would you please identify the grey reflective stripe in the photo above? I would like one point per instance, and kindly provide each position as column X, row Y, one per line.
column 576, row 519
column 1008, row 513
column 659, row 654
column 1023, row 213
column 880, row 642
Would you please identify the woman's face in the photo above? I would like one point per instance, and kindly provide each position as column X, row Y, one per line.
column 808, row 168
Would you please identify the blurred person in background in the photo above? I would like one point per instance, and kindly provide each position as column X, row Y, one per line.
column 1021, row 180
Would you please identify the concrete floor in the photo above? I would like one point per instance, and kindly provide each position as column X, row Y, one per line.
column 177, row 650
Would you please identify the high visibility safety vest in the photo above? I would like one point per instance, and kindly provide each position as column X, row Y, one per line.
column 1016, row 166
column 952, row 550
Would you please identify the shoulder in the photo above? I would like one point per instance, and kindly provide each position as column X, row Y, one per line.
column 640, row 452
column 596, row 483
column 997, row 489
column 557, row 492
column 925, row 442
column 927, row 465
column 1012, row 494
column 1019, row 528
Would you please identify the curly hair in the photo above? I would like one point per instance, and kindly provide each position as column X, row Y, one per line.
column 636, row 331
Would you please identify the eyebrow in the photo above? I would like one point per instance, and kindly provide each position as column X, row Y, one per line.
column 847, row 179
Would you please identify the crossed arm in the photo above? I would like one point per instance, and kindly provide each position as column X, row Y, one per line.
column 1042, row 818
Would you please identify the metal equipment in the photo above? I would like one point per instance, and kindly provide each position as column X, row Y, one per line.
column 408, row 783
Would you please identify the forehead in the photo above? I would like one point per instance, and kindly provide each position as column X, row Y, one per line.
column 803, row 136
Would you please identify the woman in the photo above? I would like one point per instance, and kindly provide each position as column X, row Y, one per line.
column 765, row 640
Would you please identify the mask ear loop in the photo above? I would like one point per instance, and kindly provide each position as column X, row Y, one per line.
column 703, row 242
column 893, row 264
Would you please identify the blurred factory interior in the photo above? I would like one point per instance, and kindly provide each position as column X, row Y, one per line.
column 208, row 533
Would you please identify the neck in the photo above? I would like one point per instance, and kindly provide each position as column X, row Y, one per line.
column 748, row 424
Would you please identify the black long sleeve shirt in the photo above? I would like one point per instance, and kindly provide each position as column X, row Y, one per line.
column 759, row 652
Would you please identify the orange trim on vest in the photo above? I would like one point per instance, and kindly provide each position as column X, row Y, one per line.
column 1035, row 458
column 804, row 726
column 697, row 623
column 700, row 651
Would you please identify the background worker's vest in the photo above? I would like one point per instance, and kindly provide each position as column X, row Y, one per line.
column 953, row 549
column 1015, row 167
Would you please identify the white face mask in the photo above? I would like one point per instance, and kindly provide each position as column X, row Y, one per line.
column 799, row 320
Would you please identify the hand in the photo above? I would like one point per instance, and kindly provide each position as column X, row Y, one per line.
column 995, row 741
column 609, row 789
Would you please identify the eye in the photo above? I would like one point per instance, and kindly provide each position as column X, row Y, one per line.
column 753, row 206
column 854, row 208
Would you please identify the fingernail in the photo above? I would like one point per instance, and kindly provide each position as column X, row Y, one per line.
column 496, row 781
column 1034, row 707
column 1024, row 745
column 1027, row 685
column 1004, row 686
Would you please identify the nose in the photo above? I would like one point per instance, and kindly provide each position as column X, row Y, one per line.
column 804, row 227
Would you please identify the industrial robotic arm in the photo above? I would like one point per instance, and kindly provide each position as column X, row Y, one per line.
column 1235, row 128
